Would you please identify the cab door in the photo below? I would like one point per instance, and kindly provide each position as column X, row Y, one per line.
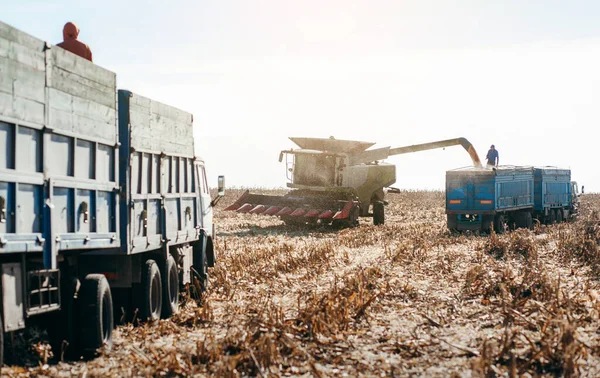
column 204, row 208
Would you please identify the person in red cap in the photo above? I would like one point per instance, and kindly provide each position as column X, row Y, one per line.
column 70, row 43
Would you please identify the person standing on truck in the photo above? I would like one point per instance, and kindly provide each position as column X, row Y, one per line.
column 70, row 42
column 492, row 157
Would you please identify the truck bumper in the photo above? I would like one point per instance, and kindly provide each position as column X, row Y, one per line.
column 470, row 222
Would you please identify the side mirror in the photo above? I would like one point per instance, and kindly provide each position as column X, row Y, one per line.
column 220, row 191
column 582, row 189
column 281, row 156
column 221, row 186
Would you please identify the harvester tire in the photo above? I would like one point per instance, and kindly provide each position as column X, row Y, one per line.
column 96, row 311
column 151, row 292
column 559, row 216
column 499, row 224
column 170, row 285
column 378, row 213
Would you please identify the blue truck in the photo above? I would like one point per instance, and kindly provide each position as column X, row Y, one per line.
column 478, row 199
column 102, row 198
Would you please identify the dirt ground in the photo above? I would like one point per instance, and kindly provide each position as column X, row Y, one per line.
column 407, row 298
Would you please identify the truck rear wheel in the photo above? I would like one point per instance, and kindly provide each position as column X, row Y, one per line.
column 559, row 216
column 452, row 221
column 499, row 224
column 96, row 313
column 528, row 221
column 170, row 288
column 200, row 267
column 151, row 292
column 551, row 218
column 64, row 331
column 378, row 213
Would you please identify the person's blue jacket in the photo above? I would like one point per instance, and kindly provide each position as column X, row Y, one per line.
column 492, row 156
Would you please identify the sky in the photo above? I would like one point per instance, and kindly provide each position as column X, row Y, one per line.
column 524, row 76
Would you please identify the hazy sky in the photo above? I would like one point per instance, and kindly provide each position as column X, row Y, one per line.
column 522, row 75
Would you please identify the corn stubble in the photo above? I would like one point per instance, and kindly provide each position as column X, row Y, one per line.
column 407, row 298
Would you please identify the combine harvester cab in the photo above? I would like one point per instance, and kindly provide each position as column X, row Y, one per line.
column 335, row 181
column 478, row 199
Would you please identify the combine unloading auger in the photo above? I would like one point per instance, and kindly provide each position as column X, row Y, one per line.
column 336, row 181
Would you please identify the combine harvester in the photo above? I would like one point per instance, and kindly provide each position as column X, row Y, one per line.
column 478, row 199
column 336, row 181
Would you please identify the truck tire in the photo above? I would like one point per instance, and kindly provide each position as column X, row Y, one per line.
column 499, row 224
column 378, row 213
column 151, row 292
column 200, row 266
column 452, row 221
column 529, row 221
column 487, row 222
column 559, row 216
column 96, row 312
column 64, row 332
column 551, row 218
column 170, row 286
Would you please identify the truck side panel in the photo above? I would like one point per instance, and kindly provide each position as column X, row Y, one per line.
column 81, row 145
column 22, row 109
column 552, row 188
column 157, row 172
column 514, row 190
column 23, row 235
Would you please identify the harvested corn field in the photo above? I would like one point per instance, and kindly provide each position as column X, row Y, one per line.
column 407, row 298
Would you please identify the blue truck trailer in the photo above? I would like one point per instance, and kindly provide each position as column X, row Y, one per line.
column 478, row 199
column 102, row 198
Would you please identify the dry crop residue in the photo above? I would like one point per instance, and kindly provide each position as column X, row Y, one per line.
column 404, row 299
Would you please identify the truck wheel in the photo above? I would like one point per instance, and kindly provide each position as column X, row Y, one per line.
column 170, row 288
column 486, row 223
column 200, row 267
column 452, row 221
column 64, row 332
column 559, row 216
column 96, row 313
column 378, row 213
column 151, row 292
column 499, row 224
column 551, row 218
column 528, row 221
